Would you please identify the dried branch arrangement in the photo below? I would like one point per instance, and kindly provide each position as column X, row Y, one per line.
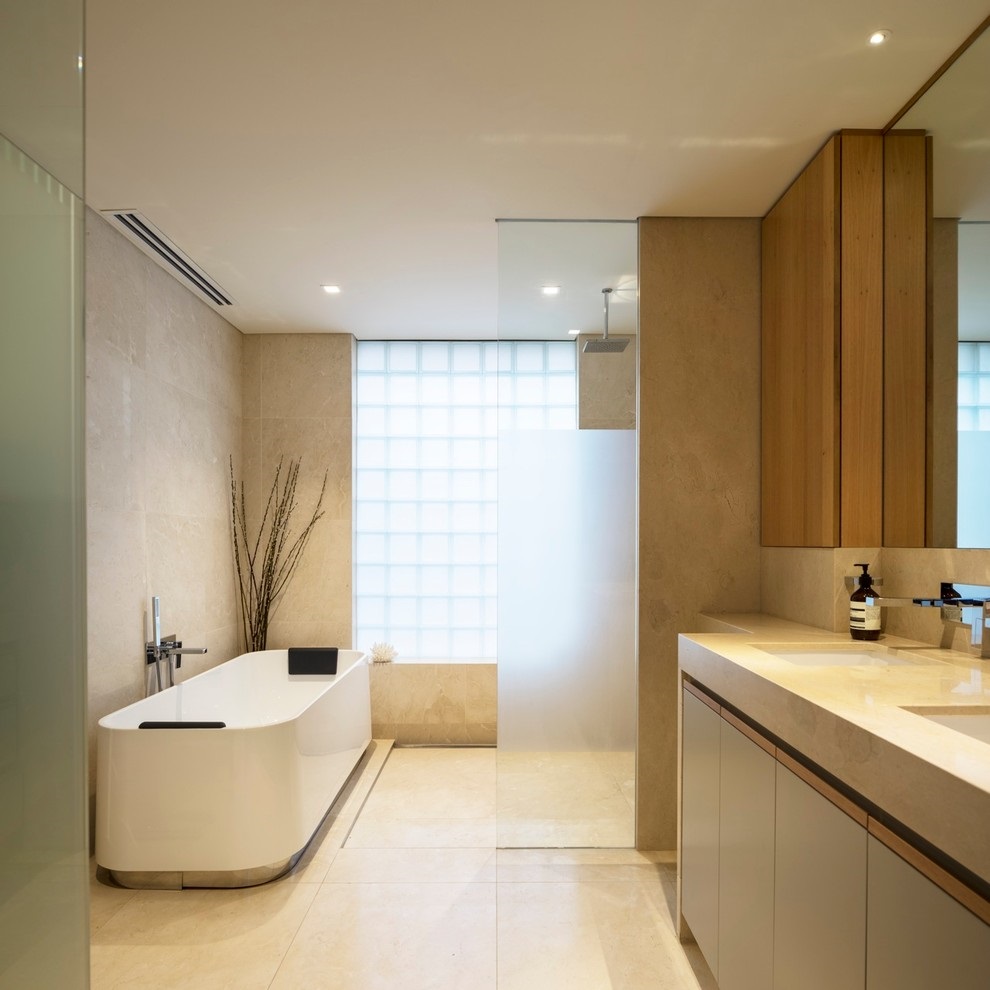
column 266, row 564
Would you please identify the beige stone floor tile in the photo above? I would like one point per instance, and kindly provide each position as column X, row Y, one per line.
column 564, row 799
column 588, row 936
column 553, row 865
column 414, row 894
column 193, row 939
column 539, row 761
column 434, row 783
column 431, row 801
column 104, row 901
column 571, row 795
column 369, row 936
column 425, row 833
column 619, row 856
column 413, row 866
column 527, row 833
column 454, row 759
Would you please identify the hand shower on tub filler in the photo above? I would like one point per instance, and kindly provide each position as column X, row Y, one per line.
column 168, row 648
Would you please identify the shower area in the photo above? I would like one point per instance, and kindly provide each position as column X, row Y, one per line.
column 567, row 538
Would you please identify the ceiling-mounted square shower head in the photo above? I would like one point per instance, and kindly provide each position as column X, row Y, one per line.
column 605, row 345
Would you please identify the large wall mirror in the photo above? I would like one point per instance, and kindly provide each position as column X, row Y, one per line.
column 955, row 111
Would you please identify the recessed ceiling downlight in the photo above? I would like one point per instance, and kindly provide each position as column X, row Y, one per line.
column 332, row 290
column 551, row 290
column 879, row 37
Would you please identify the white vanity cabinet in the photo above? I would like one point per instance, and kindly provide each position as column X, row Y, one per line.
column 920, row 936
column 789, row 884
column 727, row 845
column 701, row 734
column 819, row 885
column 746, row 858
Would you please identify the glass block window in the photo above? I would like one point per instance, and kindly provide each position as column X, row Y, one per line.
column 425, row 483
column 974, row 385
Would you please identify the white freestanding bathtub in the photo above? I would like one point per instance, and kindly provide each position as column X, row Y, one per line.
column 232, row 806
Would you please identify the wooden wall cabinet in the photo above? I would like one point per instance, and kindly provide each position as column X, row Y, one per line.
column 846, row 241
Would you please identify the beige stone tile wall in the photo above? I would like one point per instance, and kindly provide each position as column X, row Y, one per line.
column 699, row 421
column 913, row 573
column 163, row 413
column 298, row 405
column 813, row 585
column 434, row 702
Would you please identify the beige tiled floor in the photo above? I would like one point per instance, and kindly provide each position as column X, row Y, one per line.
column 418, row 897
column 565, row 799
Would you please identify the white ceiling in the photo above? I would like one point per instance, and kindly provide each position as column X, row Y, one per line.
column 287, row 144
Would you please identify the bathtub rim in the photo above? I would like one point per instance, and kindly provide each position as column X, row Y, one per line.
column 328, row 680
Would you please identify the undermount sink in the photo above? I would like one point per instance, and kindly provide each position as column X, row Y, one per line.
column 841, row 655
column 971, row 720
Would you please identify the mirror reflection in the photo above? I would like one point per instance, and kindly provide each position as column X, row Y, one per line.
column 956, row 112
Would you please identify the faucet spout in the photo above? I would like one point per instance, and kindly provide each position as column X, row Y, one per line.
column 952, row 610
column 168, row 648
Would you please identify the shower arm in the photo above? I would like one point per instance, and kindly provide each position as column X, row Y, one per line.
column 605, row 295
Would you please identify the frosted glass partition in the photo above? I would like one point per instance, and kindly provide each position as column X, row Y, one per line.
column 566, row 606
column 44, row 864
column 44, row 850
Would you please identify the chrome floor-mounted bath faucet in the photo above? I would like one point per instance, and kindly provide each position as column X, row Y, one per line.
column 167, row 648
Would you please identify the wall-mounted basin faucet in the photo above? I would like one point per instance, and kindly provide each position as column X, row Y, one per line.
column 952, row 607
column 168, row 648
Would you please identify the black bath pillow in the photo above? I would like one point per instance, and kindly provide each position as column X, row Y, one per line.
column 312, row 659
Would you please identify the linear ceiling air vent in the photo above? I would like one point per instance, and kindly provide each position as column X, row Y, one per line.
column 153, row 242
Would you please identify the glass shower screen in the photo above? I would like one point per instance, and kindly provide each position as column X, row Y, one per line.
column 567, row 556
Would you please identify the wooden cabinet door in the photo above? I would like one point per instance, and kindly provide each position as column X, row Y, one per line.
column 800, row 374
column 822, row 351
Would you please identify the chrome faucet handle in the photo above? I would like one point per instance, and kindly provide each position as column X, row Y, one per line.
column 173, row 651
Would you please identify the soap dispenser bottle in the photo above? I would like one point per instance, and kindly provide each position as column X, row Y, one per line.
column 951, row 612
column 864, row 620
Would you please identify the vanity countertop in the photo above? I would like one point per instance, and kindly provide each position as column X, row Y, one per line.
column 850, row 721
